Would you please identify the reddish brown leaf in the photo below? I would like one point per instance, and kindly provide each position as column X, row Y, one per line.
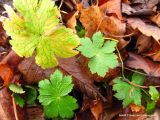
column 91, row 18
column 143, row 43
column 96, row 108
column 139, row 62
column 146, row 29
column 136, row 108
column 6, row 107
column 6, row 74
column 81, row 79
column 156, row 19
column 35, row 113
column 154, row 52
column 32, row 72
column 112, row 7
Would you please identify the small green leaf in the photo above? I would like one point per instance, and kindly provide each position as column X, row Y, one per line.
column 100, row 53
column 19, row 100
column 154, row 93
column 30, row 94
column 128, row 93
column 16, row 89
column 54, row 96
column 36, row 29
column 150, row 107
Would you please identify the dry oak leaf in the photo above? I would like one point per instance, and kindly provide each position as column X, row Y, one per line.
column 136, row 108
column 112, row 7
column 156, row 19
column 146, row 29
column 91, row 18
column 139, row 62
column 113, row 26
column 6, row 74
column 96, row 108
column 144, row 43
column 154, row 52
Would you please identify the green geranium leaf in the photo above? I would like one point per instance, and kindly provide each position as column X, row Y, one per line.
column 100, row 53
column 154, row 93
column 16, row 88
column 37, row 30
column 54, row 96
column 30, row 94
column 128, row 93
column 19, row 100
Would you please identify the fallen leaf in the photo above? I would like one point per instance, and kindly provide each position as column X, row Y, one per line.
column 96, row 108
column 71, row 23
column 6, row 74
column 136, row 108
column 112, row 7
column 113, row 26
column 156, row 19
column 143, row 43
column 32, row 72
column 139, row 62
column 35, row 113
column 152, row 3
column 81, row 80
column 6, row 107
column 154, row 52
column 91, row 18
column 146, row 29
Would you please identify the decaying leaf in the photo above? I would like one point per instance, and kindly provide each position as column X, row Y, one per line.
column 112, row 7
column 156, row 19
column 6, row 74
column 136, row 108
column 139, row 62
column 146, row 29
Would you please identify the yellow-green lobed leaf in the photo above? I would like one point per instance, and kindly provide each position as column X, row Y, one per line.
column 37, row 29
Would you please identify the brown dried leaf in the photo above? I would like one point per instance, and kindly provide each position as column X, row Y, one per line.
column 139, row 62
column 96, row 108
column 112, row 25
column 6, row 74
column 80, row 79
column 156, row 19
column 32, row 72
column 112, row 7
column 71, row 23
column 154, row 52
column 146, row 29
column 143, row 43
column 136, row 108
column 91, row 18
column 6, row 107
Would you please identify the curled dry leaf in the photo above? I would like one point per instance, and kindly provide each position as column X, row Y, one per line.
column 136, row 108
column 96, row 108
column 90, row 19
column 32, row 72
column 156, row 19
column 112, row 7
column 6, row 74
column 154, row 52
column 146, row 29
column 6, row 107
column 139, row 62
column 71, row 23
column 81, row 80
column 143, row 43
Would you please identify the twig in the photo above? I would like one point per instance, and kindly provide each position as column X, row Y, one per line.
column 15, row 109
column 61, row 4
column 135, row 71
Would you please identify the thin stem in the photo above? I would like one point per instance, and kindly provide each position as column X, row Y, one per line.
column 122, row 64
column 135, row 71
column 15, row 109
column 61, row 4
